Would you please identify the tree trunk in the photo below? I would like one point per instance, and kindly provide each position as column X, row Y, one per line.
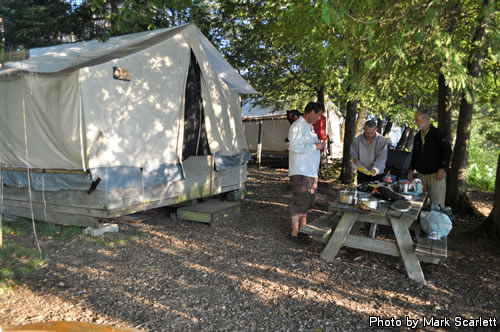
column 457, row 186
column 114, row 10
column 403, row 138
column 409, row 141
column 380, row 125
column 360, row 121
column 114, row 6
column 321, row 95
column 3, row 45
column 457, row 196
column 453, row 132
column 342, row 131
column 491, row 226
column 444, row 108
column 388, row 127
column 346, row 175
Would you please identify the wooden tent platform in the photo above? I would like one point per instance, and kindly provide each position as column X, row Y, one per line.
column 78, row 207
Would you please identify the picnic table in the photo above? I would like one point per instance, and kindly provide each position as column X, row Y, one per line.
column 399, row 221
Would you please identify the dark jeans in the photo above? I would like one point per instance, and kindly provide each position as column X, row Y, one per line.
column 366, row 178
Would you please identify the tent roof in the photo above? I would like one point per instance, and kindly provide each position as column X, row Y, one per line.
column 252, row 109
column 69, row 57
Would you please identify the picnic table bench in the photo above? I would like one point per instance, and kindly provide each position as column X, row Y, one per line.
column 432, row 250
column 322, row 228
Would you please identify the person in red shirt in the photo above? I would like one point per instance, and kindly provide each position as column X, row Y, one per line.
column 320, row 129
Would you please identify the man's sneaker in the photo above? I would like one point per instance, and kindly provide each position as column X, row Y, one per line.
column 293, row 238
column 305, row 238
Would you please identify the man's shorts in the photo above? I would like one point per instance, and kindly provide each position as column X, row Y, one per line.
column 303, row 194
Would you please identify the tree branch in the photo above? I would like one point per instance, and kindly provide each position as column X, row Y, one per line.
column 298, row 78
column 378, row 21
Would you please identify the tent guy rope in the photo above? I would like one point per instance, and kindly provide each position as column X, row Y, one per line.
column 27, row 167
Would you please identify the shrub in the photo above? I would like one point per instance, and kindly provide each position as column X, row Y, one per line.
column 482, row 162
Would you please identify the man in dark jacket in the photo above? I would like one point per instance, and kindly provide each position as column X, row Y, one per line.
column 431, row 157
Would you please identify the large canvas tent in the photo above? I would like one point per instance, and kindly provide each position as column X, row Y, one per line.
column 140, row 121
column 274, row 127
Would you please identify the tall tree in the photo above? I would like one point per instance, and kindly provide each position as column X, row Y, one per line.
column 380, row 125
column 409, row 141
column 403, row 138
column 285, row 55
column 360, row 121
column 388, row 127
column 457, row 194
column 444, row 108
column 347, row 170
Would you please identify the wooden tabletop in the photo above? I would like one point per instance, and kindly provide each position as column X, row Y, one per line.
column 384, row 208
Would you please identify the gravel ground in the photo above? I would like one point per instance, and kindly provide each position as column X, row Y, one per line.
column 244, row 274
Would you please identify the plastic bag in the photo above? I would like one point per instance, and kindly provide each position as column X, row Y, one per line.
column 436, row 224
column 446, row 210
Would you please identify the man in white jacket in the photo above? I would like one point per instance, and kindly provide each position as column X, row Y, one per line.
column 304, row 158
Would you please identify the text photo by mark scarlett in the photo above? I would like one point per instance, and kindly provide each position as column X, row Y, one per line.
column 432, row 321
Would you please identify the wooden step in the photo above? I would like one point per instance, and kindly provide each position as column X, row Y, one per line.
column 322, row 228
column 210, row 212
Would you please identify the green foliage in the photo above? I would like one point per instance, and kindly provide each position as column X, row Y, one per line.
column 482, row 166
column 129, row 16
column 37, row 23
column 16, row 262
column 23, row 227
column 280, row 51
column 484, row 149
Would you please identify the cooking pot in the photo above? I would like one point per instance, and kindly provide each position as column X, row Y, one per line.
column 348, row 197
column 368, row 203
